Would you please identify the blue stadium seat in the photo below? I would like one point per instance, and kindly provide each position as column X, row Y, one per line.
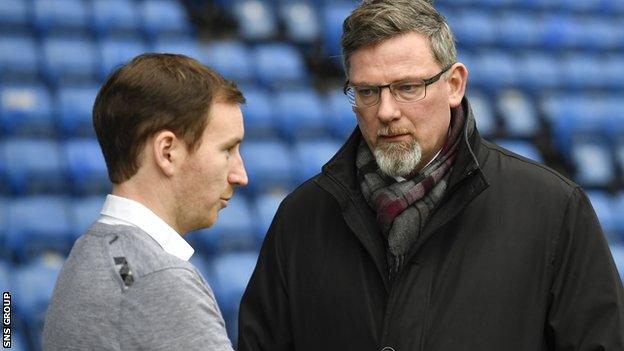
column 33, row 166
column 26, row 110
column 115, row 17
column 618, row 256
column 576, row 118
column 69, row 60
column 518, row 113
column 34, row 284
column 613, row 68
column 470, row 59
column 164, row 18
column 14, row 14
column 498, row 70
column 234, row 229
column 116, row 52
column 86, row 168
column 232, row 271
column 74, row 110
column 230, row 58
column 541, row 5
column 340, row 115
column 584, row 6
column 83, row 211
column 38, row 224
column 559, row 31
column 301, row 21
column 539, row 71
column 259, row 114
column 522, row 148
column 184, row 46
column 18, row 341
column 19, row 58
column 256, row 20
column 600, row 33
column 484, row 114
column 5, row 268
column 613, row 117
column 474, row 28
column 593, row 162
column 517, row 29
column 332, row 17
column 61, row 16
column 618, row 209
column 3, row 222
column 584, row 71
column 269, row 165
column 266, row 207
column 300, row 114
column 603, row 204
column 312, row 155
column 279, row 65
column 619, row 157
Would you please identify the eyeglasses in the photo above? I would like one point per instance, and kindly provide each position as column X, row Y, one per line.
column 402, row 91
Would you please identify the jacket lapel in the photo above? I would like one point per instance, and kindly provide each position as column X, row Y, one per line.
column 339, row 179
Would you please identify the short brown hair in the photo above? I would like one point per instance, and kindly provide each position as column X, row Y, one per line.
column 374, row 21
column 154, row 92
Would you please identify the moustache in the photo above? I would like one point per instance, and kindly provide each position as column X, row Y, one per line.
column 390, row 132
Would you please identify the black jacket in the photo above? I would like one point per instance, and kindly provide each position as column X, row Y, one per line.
column 513, row 259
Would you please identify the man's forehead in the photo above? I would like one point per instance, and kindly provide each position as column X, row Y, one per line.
column 408, row 54
column 225, row 117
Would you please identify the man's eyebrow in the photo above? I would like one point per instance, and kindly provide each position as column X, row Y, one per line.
column 233, row 141
column 404, row 79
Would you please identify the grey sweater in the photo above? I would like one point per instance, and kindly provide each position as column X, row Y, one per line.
column 163, row 304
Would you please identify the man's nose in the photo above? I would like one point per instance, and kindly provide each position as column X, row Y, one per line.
column 238, row 174
column 388, row 109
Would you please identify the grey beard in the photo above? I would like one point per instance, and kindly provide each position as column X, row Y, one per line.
column 398, row 159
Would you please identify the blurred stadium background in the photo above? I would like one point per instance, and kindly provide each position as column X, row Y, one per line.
column 546, row 81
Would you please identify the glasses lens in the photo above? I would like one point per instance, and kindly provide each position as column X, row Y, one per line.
column 408, row 91
column 366, row 96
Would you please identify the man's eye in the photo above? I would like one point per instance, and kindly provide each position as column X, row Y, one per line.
column 408, row 87
column 365, row 91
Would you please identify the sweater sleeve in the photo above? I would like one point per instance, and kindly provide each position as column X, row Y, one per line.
column 264, row 316
column 171, row 309
column 587, row 300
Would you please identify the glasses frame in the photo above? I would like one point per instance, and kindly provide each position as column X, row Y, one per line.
column 426, row 82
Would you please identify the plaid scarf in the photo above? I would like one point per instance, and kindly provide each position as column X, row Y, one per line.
column 403, row 207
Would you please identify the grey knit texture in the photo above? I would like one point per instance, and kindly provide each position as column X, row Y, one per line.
column 168, row 306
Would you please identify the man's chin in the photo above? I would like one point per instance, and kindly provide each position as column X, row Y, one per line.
column 397, row 160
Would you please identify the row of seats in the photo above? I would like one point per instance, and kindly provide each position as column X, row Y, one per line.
column 100, row 17
column 63, row 60
column 535, row 70
column 30, row 110
column 45, row 166
column 607, row 7
column 548, row 31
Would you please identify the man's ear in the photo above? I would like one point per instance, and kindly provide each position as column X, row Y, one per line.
column 168, row 151
column 457, row 78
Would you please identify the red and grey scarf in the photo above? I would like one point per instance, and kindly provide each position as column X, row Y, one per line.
column 404, row 207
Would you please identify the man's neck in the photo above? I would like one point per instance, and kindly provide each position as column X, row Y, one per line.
column 151, row 198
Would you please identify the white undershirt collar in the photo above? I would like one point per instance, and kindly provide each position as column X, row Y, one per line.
column 122, row 211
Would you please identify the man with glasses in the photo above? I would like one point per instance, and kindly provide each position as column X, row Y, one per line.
column 420, row 235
